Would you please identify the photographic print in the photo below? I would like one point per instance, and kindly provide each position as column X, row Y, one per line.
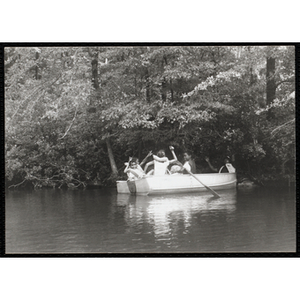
column 150, row 149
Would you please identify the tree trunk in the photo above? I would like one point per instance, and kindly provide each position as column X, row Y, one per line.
column 95, row 79
column 37, row 55
column 252, row 77
column 271, row 84
column 164, row 90
column 111, row 158
column 148, row 89
column 95, row 72
column 171, row 89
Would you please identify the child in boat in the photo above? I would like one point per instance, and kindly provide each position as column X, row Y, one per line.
column 226, row 168
column 133, row 169
column 175, row 170
column 160, row 162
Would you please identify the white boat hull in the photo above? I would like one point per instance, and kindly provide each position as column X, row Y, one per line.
column 173, row 184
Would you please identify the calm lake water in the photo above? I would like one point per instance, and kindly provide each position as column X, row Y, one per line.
column 101, row 221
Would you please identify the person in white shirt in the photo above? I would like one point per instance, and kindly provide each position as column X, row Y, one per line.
column 188, row 166
column 133, row 169
column 160, row 162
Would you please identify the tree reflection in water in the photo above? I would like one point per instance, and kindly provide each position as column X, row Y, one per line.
column 102, row 221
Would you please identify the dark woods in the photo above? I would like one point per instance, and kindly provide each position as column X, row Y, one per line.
column 75, row 114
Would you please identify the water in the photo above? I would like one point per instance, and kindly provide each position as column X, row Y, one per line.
column 101, row 221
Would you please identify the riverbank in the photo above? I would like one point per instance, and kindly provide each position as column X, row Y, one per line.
column 243, row 183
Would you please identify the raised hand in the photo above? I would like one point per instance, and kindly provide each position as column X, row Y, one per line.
column 171, row 148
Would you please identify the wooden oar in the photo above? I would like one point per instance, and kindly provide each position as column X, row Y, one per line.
column 207, row 187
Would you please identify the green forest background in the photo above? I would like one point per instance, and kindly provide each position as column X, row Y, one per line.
column 73, row 115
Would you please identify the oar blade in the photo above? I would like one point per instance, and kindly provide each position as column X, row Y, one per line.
column 207, row 187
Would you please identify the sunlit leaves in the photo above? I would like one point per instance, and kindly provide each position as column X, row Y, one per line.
column 211, row 99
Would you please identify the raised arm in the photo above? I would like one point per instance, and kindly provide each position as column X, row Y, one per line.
column 140, row 168
column 127, row 165
column 144, row 160
column 173, row 153
column 211, row 167
column 147, row 165
column 173, row 161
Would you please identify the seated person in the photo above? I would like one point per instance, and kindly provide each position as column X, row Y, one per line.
column 160, row 162
column 226, row 168
column 188, row 166
column 175, row 169
column 133, row 169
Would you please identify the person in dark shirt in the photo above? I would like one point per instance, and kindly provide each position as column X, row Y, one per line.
column 226, row 168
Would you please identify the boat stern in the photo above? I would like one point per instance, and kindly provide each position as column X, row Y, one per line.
column 122, row 187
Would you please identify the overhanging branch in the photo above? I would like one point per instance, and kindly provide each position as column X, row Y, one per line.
column 70, row 124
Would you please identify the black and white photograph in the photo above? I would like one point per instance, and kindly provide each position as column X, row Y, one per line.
column 150, row 148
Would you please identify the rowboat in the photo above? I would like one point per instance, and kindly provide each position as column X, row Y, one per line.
column 179, row 183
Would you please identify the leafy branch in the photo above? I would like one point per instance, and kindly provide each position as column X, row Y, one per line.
column 34, row 92
column 70, row 124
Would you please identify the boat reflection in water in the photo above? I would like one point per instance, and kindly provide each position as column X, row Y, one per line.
column 174, row 215
column 102, row 221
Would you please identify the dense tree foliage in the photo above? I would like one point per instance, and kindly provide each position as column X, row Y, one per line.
column 75, row 114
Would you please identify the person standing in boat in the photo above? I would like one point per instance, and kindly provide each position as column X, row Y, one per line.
column 160, row 162
column 133, row 169
column 226, row 168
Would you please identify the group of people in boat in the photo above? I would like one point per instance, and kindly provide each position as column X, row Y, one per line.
column 162, row 165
